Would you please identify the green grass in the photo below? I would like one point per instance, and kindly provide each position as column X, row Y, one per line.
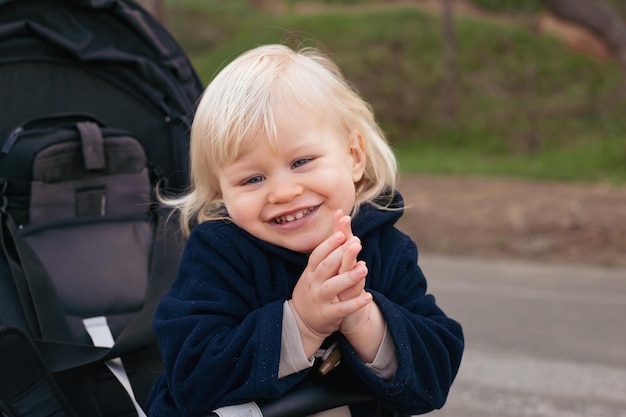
column 527, row 107
column 586, row 163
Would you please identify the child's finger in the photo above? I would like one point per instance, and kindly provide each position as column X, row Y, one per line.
column 341, row 283
column 343, row 223
column 349, row 259
column 345, row 308
column 324, row 249
column 336, row 217
column 354, row 290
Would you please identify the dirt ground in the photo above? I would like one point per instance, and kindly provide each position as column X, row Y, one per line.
column 505, row 218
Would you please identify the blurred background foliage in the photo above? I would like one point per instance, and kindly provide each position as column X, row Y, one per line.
column 526, row 105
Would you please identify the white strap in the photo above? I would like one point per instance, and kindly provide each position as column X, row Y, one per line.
column 101, row 336
column 250, row 409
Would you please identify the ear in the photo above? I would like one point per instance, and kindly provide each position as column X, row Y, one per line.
column 357, row 153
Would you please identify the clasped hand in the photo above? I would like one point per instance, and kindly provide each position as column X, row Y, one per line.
column 330, row 294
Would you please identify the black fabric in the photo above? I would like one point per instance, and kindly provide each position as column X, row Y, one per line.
column 28, row 389
column 80, row 232
column 108, row 58
column 315, row 394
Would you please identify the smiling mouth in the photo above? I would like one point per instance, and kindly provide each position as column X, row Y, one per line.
column 293, row 216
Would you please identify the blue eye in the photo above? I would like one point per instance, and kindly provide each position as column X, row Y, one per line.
column 300, row 162
column 254, row 180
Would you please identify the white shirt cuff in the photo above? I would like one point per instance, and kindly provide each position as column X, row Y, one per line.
column 292, row 356
column 385, row 363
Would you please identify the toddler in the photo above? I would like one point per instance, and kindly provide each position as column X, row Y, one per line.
column 292, row 251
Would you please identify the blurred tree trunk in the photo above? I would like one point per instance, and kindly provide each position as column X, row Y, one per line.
column 597, row 16
column 450, row 65
column 156, row 9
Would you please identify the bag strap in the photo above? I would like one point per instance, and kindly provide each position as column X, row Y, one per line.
column 92, row 145
column 26, row 386
column 166, row 250
column 100, row 334
column 44, row 311
column 41, row 305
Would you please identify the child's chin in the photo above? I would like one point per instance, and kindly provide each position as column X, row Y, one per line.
column 302, row 246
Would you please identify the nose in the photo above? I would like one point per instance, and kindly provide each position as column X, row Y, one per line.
column 284, row 189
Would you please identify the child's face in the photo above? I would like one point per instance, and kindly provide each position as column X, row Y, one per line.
column 287, row 196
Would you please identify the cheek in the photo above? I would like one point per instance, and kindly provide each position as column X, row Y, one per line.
column 345, row 194
column 241, row 206
column 231, row 201
column 339, row 182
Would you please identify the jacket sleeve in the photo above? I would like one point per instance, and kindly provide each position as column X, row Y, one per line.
column 217, row 337
column 429, row 345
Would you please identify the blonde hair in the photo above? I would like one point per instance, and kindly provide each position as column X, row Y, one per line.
column 238, row 108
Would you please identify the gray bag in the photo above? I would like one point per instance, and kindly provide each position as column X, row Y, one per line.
column 84, row 238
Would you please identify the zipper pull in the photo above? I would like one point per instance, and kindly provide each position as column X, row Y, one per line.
column 6, row 148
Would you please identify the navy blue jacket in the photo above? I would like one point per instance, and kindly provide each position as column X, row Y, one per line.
column 219, row 326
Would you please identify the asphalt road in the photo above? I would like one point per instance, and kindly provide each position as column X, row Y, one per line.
column 541, row 340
